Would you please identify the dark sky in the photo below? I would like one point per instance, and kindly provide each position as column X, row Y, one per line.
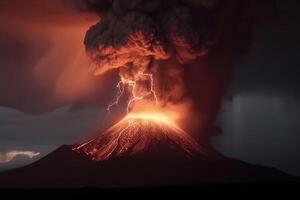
column 260, row 117
column 261, row 121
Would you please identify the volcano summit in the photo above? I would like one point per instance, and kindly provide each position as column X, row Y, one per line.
column 148, row 134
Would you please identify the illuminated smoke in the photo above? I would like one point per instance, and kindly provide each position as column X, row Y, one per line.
column 133, row 36
column 9, row 156
column 189, row 46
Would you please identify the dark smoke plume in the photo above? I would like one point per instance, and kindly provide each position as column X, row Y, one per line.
column 200, row 40
column 135, row 32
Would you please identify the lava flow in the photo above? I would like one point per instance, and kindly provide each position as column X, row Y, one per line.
column 152, row 134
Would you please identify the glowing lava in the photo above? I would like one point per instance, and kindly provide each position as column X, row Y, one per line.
column 152, row 134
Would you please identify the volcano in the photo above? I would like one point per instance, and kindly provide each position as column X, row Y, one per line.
column 143, row 149
column 139, row 151
column 146, row 135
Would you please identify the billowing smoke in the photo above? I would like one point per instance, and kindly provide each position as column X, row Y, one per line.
column 134, row 36
column 189, row 46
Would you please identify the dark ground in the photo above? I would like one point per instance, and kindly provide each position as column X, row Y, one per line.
column 65, row 168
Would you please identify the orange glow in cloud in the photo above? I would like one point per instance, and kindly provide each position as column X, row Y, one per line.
column 54, row 60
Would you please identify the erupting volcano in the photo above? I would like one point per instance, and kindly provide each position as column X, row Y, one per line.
column 171, row 61
column 133, row 39
column 147, row 134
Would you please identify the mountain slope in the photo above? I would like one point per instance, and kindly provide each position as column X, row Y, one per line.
column 132, row 136
column 65, row 168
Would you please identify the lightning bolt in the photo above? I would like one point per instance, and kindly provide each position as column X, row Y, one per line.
column 120, row 87
column 131, row 84
column 152, row 90
column 135, row 97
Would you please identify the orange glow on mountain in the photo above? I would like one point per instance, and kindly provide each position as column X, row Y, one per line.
column 151, row 133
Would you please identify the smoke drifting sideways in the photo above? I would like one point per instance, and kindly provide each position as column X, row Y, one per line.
column 188, row 46
column 43, row 62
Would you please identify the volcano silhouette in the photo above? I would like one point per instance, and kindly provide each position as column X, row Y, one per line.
column 137, row 153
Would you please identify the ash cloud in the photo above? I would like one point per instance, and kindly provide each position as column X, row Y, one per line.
column 192, row 45
column 136, row 36
column 135, row 32
column 117, row 41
